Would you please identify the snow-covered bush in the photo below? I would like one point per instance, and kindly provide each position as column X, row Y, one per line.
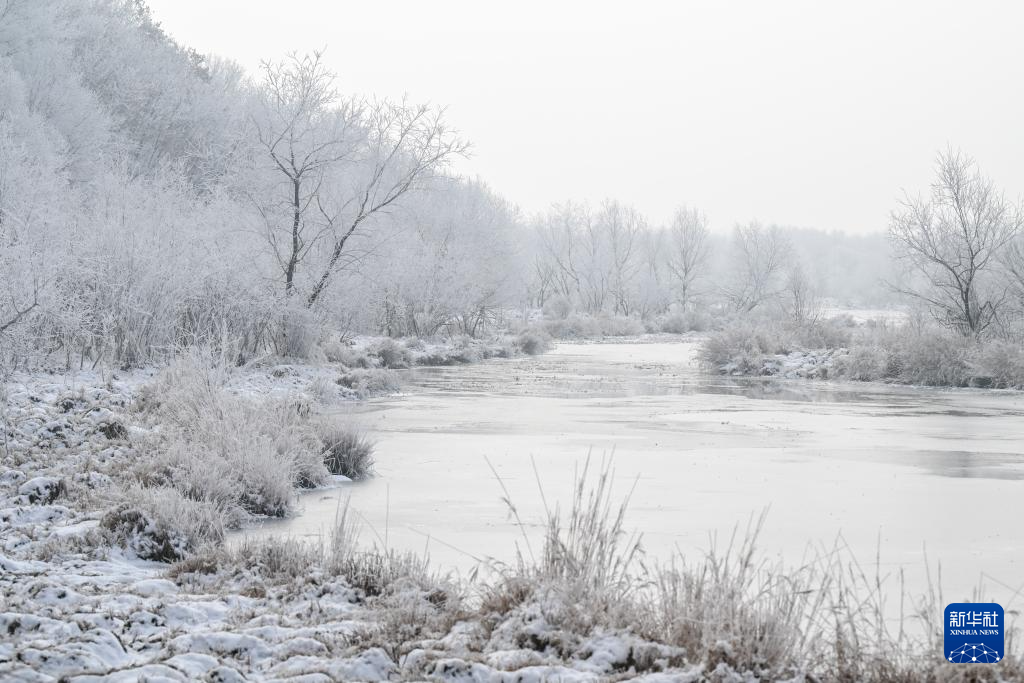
column 742, row 347
column 582, row 326
column 244, row 456
column 583, row 577
column 370, row 383
column 933, row 357
column 923, row 354
column 729, row 607
column 298, row 333
column 557, row 307
column 533, row 342
column 999, row 364
column 466, row 350
column 392, row 355
column 343, row 354
column 865, row 363
column 823, row 334
column 347, row 451
column 378, row 571
column 161, row 524
column 680, row 322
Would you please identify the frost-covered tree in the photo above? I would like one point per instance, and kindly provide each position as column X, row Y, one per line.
column 559, row 236
column 450, row 264
column 593, row 259
column 341, row 161
column 166, row 105
column 800, row 300
column 305, row 129
column 652, row 288
column 687, row 247
column 621, row 229
column 953, row 239
column 759, row 257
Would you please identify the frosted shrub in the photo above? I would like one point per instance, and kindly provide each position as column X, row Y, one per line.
column 912, row 354
column 392, row 354
column 863, row 364
column 934, row 358
column 557, row 307
column 731, row 608
column 227, row 314
column 999, row 364
column 161, row 524
column 504, row 347
column 584, row 575
column 466, row 351
column 742, row 346
column 333, row 350
column 827, row 334
column 337, row 352
column 244, row 457
column 273, row 558
column 370, row 383
column 680, row 322
column 346, row 451
column 533, row 342
column 321, row 391
column 573, row 327
column 195, row 476
column 620, row 326
column 298, row 334
column 580, row 326
column 266, row 476
column 377, row 572
column 590, row 548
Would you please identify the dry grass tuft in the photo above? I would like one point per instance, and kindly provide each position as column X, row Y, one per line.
column 347, row 451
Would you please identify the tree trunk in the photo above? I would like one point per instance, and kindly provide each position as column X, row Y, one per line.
column 293, row 260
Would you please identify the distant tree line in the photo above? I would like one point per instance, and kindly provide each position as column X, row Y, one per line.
column 152, row 198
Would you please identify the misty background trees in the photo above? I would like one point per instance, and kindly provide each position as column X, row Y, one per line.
column 152, row 199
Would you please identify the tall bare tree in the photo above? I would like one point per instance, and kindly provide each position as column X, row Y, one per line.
column 800, row 299
column 306, row 129
column 760, row 255
column 687, row 251
column 406, row 146
column 342, row 160
column 622, row 228
column 558, row 234
column 953, row 240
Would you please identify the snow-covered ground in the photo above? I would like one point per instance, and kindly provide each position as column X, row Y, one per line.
column 119, row 619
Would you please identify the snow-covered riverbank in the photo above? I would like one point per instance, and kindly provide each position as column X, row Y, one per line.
column 82, row 601
column 84, row 477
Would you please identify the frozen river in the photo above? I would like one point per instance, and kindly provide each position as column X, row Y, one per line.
column 900, row 470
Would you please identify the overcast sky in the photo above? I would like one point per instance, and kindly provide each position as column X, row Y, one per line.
column 811, row 114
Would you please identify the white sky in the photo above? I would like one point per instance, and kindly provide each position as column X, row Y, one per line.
column 812, row 114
